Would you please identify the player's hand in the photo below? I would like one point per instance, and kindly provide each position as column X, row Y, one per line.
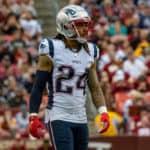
column 36, row 127
column 105, row 121
column 102, row 122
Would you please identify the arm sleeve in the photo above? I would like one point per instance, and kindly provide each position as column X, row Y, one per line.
column 46, row 47
column 37, row 90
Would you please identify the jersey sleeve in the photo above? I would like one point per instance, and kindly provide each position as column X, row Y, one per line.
column 46, row 47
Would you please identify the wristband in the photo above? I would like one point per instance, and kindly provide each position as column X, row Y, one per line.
column 102, row 109
column 33, row 114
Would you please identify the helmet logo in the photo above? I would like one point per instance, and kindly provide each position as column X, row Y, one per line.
column 70, row 12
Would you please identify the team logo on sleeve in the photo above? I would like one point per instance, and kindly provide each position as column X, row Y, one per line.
column 42, row 46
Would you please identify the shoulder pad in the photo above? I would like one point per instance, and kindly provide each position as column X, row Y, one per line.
column 44, row 47
column 96, row 51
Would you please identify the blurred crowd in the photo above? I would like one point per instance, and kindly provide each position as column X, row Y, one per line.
column 20, row 33
column 120, row 28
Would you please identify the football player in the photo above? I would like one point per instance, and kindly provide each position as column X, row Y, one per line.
column 67, row 64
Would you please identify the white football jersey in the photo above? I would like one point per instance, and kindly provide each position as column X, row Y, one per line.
column 68, row 80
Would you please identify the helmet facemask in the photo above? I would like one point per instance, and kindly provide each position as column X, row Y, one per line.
column 73, row 28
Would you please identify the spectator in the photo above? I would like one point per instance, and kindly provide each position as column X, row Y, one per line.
column 28, row 5
column 22, row 119
column 12, row 6
column 11, row 24
column 8, row 69
column 4, row 132
column 119, row 82
column 2, row 92
column 144, row 14
column 134, row 66
column 28, row 82
column 9, row 123
column 135, row 100
column 147, row 58
column 16, row 99
column 31, row 26
column 17, row 39
column 140, row 50
column 117, row 28
column 143, row 126
column 141, row 84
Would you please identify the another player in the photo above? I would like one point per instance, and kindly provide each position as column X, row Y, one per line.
column 68, row 64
